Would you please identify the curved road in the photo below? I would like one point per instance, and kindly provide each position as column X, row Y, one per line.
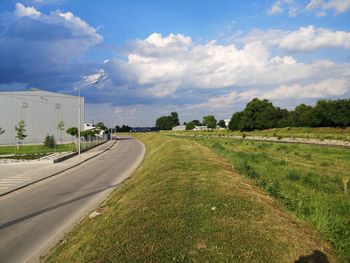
column 33, row 219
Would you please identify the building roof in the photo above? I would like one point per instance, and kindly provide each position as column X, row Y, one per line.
column 35, row 92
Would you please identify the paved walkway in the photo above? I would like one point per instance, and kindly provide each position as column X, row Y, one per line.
column 15, row 175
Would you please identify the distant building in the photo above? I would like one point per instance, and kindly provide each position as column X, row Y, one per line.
column 179, row 128
column 227, row 121
column 200, row 128
column 41, row 112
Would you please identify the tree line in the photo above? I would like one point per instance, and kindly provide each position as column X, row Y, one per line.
column 262, row 114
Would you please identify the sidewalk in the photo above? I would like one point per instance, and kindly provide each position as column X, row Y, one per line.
column 14, row 176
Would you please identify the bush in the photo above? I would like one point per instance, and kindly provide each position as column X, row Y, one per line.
column 50, row 141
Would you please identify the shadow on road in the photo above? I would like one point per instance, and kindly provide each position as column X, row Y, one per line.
column 48, row 209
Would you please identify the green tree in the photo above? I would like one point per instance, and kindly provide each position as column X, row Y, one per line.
column 167, row 122
column 302, row 116
column 72, row 131
column 209, row 121
column 175, row 119
column 20, row 131
column 50, row 141
column 235, row 122
column 60, row 127
column 222, row 123
column 259, row 114
column 190, row 125
column 101, row 126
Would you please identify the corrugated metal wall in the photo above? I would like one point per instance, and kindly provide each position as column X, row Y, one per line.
column 41, row 112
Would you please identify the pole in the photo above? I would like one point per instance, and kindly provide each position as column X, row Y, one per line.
column 79, row 105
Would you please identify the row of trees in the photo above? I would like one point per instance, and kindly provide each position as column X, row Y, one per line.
column 262, row 114
column 168, row 122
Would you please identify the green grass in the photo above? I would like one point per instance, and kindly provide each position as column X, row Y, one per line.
column 291, row 132
column 187, row 204
column 309, row 180
column 34, row 149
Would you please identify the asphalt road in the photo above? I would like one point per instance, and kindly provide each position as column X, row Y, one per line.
column 35, row 218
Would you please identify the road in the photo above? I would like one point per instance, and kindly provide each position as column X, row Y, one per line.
column 35, row 218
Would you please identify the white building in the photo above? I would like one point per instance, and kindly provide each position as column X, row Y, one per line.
column 41, row 112
column 179, row 128
column 200, row 128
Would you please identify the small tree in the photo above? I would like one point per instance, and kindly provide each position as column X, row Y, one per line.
column 72, row 131
column 209, row 121
column 20, row 131
column 222, row 124
column 50, row 141
column 60, row 127
column 1, row 130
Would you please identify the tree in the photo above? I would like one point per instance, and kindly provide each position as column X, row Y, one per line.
column 101, row 126
column 50, row 141
column 235, row 122
column 302, row 116
column 190, row 125
column 72, row 131
column 20, row 131
column 222, row 124
column 167, row 122
column 1, row 130
column 175, row 119
column 259, row 114
column 209, row 121
column 124, row 128
column 60, row 127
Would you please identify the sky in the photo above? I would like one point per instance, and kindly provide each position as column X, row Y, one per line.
column 136, row 60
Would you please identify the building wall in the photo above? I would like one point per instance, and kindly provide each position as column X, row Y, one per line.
column 41, row 111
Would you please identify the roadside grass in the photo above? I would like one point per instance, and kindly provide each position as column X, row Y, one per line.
column 290, row 132
column 35, row 149
column 185, row 203
column 310, row 181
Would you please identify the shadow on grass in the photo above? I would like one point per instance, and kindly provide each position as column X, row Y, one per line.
column 316, row 257
column 48, row 209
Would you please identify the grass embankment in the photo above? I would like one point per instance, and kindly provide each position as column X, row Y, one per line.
column 310, row 181
column 289, row 132
column 187, row 204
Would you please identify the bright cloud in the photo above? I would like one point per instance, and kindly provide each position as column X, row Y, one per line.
column 338, row 6
column 279, row 6
column 305, row 39
column 21, row 11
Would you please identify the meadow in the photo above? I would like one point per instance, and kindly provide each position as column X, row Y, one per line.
column 289, row 132
column 186, row 203
column 310, row 181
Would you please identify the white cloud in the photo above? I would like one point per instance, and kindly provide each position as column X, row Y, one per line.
column 321, row 89
column 21, row 11
column 338, row 6
column 305, row 39
column 279, row 6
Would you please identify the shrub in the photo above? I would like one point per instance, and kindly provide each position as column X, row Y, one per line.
column 50, row 141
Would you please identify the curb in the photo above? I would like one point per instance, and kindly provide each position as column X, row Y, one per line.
column 42, row 179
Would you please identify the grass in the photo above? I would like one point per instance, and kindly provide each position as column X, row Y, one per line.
column 34, row 149
column 310, row 181
column 291, row 132
column 187, row 204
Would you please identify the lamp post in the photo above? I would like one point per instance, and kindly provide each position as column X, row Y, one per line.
column 79, row 121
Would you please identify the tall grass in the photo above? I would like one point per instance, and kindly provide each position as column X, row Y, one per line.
column 310, row 181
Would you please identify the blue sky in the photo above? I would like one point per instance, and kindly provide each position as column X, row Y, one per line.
column 194, row 57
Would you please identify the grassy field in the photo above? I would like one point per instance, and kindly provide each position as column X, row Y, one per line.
column 33, row 149
column 187, row 204
column 291, row 132
column 310, row 181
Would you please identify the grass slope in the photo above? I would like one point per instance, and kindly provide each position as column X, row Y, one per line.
column 187, row 204
column 310, row 181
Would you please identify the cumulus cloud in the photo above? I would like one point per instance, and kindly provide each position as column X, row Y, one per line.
column 305, row 39
column 321, row 6
column 37, row 47
column 280, row 6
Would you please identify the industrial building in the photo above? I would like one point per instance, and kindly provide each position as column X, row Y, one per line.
column 41, row 111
